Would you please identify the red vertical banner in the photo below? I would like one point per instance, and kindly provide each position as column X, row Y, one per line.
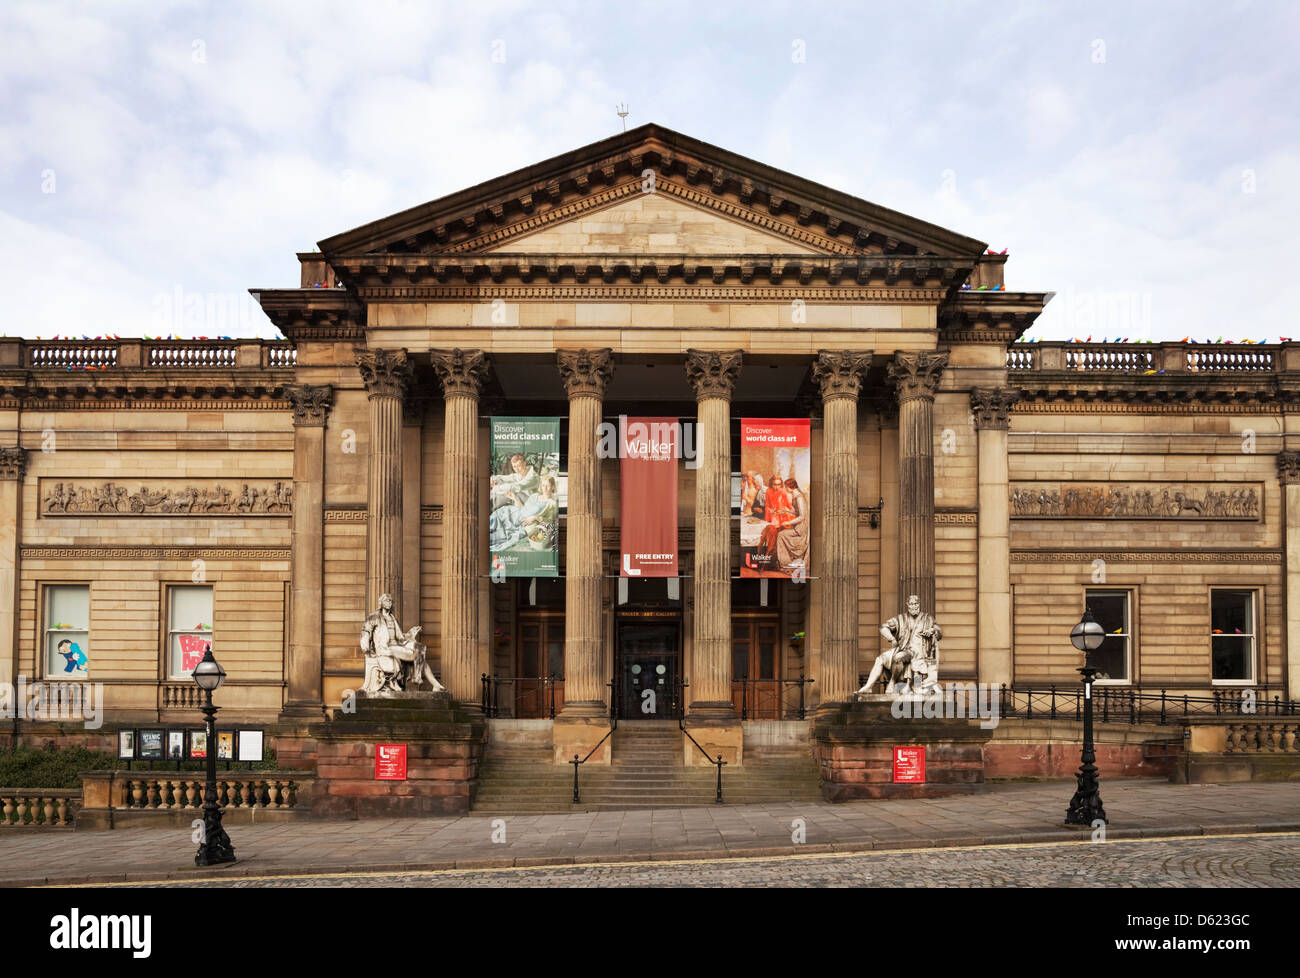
column 648, row 449
column 775, row 515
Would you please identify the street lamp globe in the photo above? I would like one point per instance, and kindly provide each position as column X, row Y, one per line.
column 1086, row 636
column 208, row 674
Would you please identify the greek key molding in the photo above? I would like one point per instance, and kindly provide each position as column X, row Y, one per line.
column 839, row 373
column 663, row 293
column 956, row 519
column 431, row 514
column 345, row 516
column 157, row 553
column 1147, row 556
column 165, row 497
column 1232, row 502
column 585, row 372
column 713, row 373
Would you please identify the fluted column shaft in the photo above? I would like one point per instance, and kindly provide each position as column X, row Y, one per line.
column 306, row 645
column 917, row 376
column 13, row 468
column 840, row 377
column 713, row 376
column 1288, row 468
column 461, row 372
column 991, row 409
column 585, row 374
column 387, row 375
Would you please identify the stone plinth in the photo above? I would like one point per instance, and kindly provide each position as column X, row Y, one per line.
column 716, row 737
column 855, row 743
column 581, row 735
column 444, row 745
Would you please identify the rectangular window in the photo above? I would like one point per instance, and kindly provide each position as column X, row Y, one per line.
column 67, row 631
column 1232, row 636
column 189, row 628
column 1111, row 610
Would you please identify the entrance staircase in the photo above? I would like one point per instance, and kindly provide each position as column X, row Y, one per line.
column 647, row 771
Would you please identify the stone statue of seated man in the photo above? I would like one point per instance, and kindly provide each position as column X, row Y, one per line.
column 394, row 660
column 913, row 661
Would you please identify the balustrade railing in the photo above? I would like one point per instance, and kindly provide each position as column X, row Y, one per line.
column 1133, row 705
column 114, row 354
column 171, row 353
column 1121, row 358
column 48, row 808
column 1262, row 738
column 1237, row 359
column 180, row 793
column 87, row 355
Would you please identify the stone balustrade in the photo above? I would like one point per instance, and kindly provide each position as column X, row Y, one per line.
column 1166, row 358
column 47, row 808
column 1262, row 738
column 116, row 354
column 117, row 799
column 176, row 793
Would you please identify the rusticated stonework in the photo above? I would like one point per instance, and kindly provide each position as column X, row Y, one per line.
column 311, row 404
column 916, row 375
column 13, row 462
column 461, row 371
column 166, row 497
column 713, row 373
column 1222, row 501
column 585, row 371
column 992, row 406
column 386, row 373
column 839, row 373
column 1288, row 468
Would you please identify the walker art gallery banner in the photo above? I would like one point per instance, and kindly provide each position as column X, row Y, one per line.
column 526, row 497
column 648, row 497
column 775, row 525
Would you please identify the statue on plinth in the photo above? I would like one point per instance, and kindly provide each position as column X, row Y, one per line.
column 394, row 660
column 912, row 661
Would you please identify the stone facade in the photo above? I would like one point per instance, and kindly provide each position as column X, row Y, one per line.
column 1002, row 482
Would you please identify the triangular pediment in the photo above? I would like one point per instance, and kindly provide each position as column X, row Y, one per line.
column 650, row 191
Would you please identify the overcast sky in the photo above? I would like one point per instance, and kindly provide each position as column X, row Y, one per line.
column 1140, row 160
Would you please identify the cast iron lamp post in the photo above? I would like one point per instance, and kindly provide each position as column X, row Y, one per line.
column 1085, row 807
column 214, row 847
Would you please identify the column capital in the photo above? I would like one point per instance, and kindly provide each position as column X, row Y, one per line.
column 713, row 373
column 992, row 406
column 585, row 372
column 311, row 404
column 386, row 373
column 461, row 371
column 916, row 375
column 13, row 463
column 839, row 373
column 1288, row 467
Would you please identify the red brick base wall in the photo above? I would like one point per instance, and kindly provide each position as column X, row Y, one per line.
column 1004, row 760
column 441, row 777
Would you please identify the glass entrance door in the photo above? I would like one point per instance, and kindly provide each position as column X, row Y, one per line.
column 648, row 663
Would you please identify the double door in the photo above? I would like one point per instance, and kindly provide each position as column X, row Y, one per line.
column 649, row 654
column 756, row 657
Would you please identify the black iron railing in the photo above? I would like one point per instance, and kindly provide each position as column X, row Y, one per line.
column 1124, row 704
column 680, row 697
column 613, row 725
column 521, row 697
column 772, row 699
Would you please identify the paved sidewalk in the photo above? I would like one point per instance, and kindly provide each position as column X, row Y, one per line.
column 1006, row 814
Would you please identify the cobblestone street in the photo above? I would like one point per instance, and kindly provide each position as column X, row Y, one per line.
column 1231, row 861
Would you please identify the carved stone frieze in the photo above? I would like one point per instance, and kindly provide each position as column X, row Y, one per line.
column 311, row 404
column 386, row 373
column 713, row 373
column 585, row 372
column 917, row 374
column 1171, row 501
column 839, row 373
column 166, row 497
column 992, row 406
column 461, row 371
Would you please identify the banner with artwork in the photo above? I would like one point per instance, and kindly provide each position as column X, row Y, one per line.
column 526, row 497
column 775, row 518
column 648, row 496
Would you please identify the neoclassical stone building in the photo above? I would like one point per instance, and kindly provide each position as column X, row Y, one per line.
column 263, row 495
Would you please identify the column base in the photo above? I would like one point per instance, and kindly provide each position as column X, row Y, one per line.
column 303, row 710
column 579, row 735
column 725, row 737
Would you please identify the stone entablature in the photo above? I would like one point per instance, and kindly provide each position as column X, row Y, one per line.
column 1139, row 501
column 166, row 497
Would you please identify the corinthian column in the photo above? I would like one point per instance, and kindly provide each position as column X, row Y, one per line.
column 462, row 373
column 311, row 407
column 585, row 374
column 387, row 376
column 1288, row 471
column 992, row 410
column 917, row 377
column 840, row 378
column 713, row 375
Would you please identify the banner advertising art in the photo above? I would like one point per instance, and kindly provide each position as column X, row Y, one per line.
column 648, row 496
column 527, row 495
column 775, row 521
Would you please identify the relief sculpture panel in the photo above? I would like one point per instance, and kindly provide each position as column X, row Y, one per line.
column 166, row 497
column 1136, row 501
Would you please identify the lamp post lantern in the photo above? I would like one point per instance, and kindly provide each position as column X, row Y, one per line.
column 1085, row 807
column 214, row 846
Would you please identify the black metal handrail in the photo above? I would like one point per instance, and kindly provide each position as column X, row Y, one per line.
column 681, row 725
column 1112, row 704
column 782, row 710
column 613, row 725
column 491, row 694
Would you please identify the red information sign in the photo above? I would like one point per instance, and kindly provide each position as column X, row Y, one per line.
column 909, row 765
column 390, row 762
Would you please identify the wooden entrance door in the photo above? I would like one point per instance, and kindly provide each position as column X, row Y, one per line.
column 756, row 656
column 541, row 656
